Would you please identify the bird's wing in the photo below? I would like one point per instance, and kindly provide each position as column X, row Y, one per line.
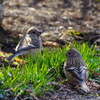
column 21, row 43
column 26, row 43
column 20, row 51
column 77, row 72
column 30, row 46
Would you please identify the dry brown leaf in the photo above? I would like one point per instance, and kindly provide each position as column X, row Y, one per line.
column 50, row 44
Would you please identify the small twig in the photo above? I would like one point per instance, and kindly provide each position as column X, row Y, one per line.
column 93, row 38
column 27, row 98
column 34, row 97
column 94, row 73
column 16, row 98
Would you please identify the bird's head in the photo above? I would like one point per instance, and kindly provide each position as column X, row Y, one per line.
column 34, row 30
column 73, row 53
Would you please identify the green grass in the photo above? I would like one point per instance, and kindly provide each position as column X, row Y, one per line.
column 42, row 69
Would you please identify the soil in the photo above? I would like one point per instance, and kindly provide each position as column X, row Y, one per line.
column 54, row 17
column 62, row 22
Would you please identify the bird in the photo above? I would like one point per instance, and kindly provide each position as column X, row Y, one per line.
column 30, row 43
column 75, row 70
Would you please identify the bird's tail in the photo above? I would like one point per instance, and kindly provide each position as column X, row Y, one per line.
column 14, row 55
column 83, row 87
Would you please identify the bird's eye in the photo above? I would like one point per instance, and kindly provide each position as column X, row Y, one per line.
column 69, row 53
column 33, row 32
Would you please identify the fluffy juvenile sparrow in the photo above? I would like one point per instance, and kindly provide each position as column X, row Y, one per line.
column 75, row 70
column 30, row 42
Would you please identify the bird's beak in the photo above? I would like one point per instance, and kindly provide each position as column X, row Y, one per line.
column 40, row 32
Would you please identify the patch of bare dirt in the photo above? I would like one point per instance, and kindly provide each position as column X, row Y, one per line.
column 55, row 17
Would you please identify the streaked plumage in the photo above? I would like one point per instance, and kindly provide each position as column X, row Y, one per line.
column 75, row 69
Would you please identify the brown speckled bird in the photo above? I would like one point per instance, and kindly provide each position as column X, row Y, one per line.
column 30, row 43
column 75, row 70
